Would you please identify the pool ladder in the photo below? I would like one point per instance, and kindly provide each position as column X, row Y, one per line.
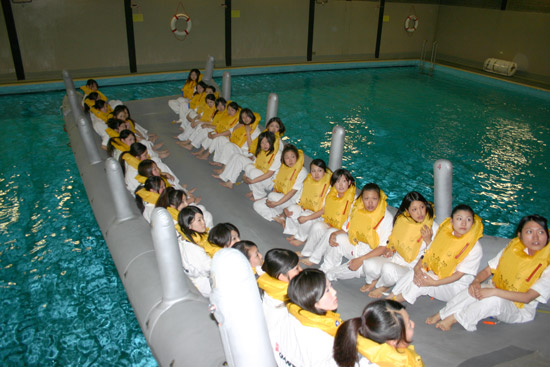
column 422, row 65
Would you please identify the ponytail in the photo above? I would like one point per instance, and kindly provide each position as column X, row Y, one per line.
column 345, row 343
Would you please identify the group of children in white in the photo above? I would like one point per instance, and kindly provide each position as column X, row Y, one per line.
column 401, row 257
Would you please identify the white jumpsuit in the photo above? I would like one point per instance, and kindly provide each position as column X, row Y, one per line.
column 196, row 264
column 268, row 213
column 469, row 266
column 468, row 311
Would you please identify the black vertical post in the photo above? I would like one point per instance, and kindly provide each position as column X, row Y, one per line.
column 130, row 36
column 14, row 42
column 379, row 32
column 310, row 30
column 503, row 4
column 228, row 32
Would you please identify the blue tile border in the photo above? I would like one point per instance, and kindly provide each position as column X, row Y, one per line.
column 161, row 77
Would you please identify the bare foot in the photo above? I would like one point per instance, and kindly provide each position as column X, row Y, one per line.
column 398, row 298
column 204, row 156
column 164, row 154
column 435, row 318
column 216, row 176
column 289, row 238
column 215, row 164
column 198, row 199
column 368, row 287
column 306, row 262
column 198, row 152
column 187, row 146
column 181, row 128
column 446, row 324
column 157, row 146
column 378, row 292
column 249, row 195
column 280, row 220
column 296, row 243
column 219, row 171
column 227, row 184
column 177, row 138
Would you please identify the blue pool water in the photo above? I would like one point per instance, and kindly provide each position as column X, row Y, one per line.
column 399, row 122
column 62, row 303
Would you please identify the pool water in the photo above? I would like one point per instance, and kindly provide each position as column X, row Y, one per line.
column 62, row 302
column 399, row 121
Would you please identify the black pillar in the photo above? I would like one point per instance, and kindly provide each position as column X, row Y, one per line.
column 130, row 36
column 14, row 42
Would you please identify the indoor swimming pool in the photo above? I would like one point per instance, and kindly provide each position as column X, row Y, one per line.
column 62, row 300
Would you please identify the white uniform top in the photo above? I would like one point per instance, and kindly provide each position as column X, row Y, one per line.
column 196, row 264
column 99, row 127
column 541, row 286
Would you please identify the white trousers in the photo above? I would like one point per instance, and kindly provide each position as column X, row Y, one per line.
column 234, row 168
column 385, row 270
column 259, row 189
column 268, row 213
column 300, row 231
column 333, row 266
column 468, row 311
column 410, row 291
column 317, row 242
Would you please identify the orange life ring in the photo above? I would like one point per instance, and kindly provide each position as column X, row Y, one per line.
column 174, row 21
column 411, row 27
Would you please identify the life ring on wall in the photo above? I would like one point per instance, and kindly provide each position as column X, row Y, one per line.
column 411, row 23
column 174, row 28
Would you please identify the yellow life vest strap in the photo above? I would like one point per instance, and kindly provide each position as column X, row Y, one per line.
column 384, row 355
column 363, row 224
column 286, row 177
column 337, row 209
column 273, row 287
column 313, row 193
column 148, row 196
column 329, row 322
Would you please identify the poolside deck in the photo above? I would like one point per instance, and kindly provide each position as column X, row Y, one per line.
column 491, row 345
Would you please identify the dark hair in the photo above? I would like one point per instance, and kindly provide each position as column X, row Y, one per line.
column 123, row 135
column 197, row 71
column 289, row 148
column 371, row 186
column 92, row 97
column 540, row 220
column 339, row 173
column 380, row 321
column 249, row 113
column 319, row 163
column 114, row 123
column 118, row 109
column 279, row 261
column 270, row 138
column 210, row 97
column 202, row 85
column 220, row 234
column 462, row 207
column 136, row 149
column 153, row 183
column 171, row 197
column 407, row 201
column 212, row 88
column 145, row 167
column 244, row 246
column 307, row 288
column 282, row 127
column 99, row 104
column 185, row 218
column 233, row 105
column 91, row 83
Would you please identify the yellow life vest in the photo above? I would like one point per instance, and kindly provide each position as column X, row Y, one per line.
column 329, row 323
column 226, row 122
column 517, row 271
column 264, row 161
column 189, row 88
column 206, row 111
column 337, row 209
column 275, row 288
column 131, row 160
column 201, row 240
column 196, row 100
column 148, row 196
column 102, row 115
column 447, row 251
column 174, row 213
column 384, row 355
column 286, row 177
column 363, row 224
column 129, row 121
column 238, row 137
column 112, row 133
column 313, row 194
column 87, row 91
column 118, row 144
column 406, row 238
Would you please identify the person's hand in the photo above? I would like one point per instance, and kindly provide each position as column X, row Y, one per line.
column 427, row 234
column 302, row 219
column 332, row 240
column 270, row 204
column 355, row 264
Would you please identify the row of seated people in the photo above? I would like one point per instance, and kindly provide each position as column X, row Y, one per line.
column 319, row 210
column 353, row 236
